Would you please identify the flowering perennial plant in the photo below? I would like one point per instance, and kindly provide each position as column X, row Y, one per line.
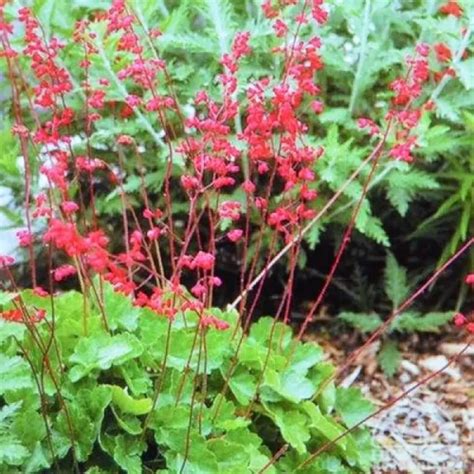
column 253, row 141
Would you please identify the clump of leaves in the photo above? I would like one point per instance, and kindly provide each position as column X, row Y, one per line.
column 153, row 395
column 453, row 220
column 397, row 290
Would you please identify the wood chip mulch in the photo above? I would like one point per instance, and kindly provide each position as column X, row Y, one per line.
column 432, row 429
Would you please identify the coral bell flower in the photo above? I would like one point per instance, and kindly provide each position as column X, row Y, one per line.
column 203, row 260
column 470, row 279
column 451, row 8
column 459, row 319
column 235, row 235
column 63, row 272
column 443, row 53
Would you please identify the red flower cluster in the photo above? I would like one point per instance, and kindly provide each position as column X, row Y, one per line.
column 64, row 272
column 451, row 8
column 17, row 315
column 256, row 147
column 406, row 113
column 212, row 321
column 443, row 53
column 461, row 321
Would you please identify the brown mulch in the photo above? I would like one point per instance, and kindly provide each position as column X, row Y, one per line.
column 432, row 429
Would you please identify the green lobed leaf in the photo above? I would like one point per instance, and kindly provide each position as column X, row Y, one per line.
column 6, row 297
column 352, row 406
column 368, row 452
column 327, row 397
column 28, row 425
column 39, row 460
column 12, row 449
column 137, row 379
column 127, row 452
column 324, row 464
column 324, row 425
column 119, row 311
column 15, row 374
column 293, row 425
column 266, row 329
column 290, row 385
column 84, row 417
column 131, row 424
column 10, row 329
column 252, row 444
column 243, row 385
column 101, row 352
column 229, row 455
column 128, row 404
column 227, row 419
column 305, row 356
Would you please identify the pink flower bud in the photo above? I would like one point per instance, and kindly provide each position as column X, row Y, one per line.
column 317, row 106
column 63, row 272
column 235, row 235
column 69, row 207
column 469, row 279
column 459, row 319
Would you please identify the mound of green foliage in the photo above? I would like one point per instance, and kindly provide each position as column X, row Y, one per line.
column 150, row 396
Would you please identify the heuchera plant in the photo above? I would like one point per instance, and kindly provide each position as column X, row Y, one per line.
column 139, row 370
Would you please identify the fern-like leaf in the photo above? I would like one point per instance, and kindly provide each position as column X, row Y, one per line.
column 389, row 358
column 396, row 286
column 364, row 322
column 411, row 321
column 220, row 16
column 404, row 186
